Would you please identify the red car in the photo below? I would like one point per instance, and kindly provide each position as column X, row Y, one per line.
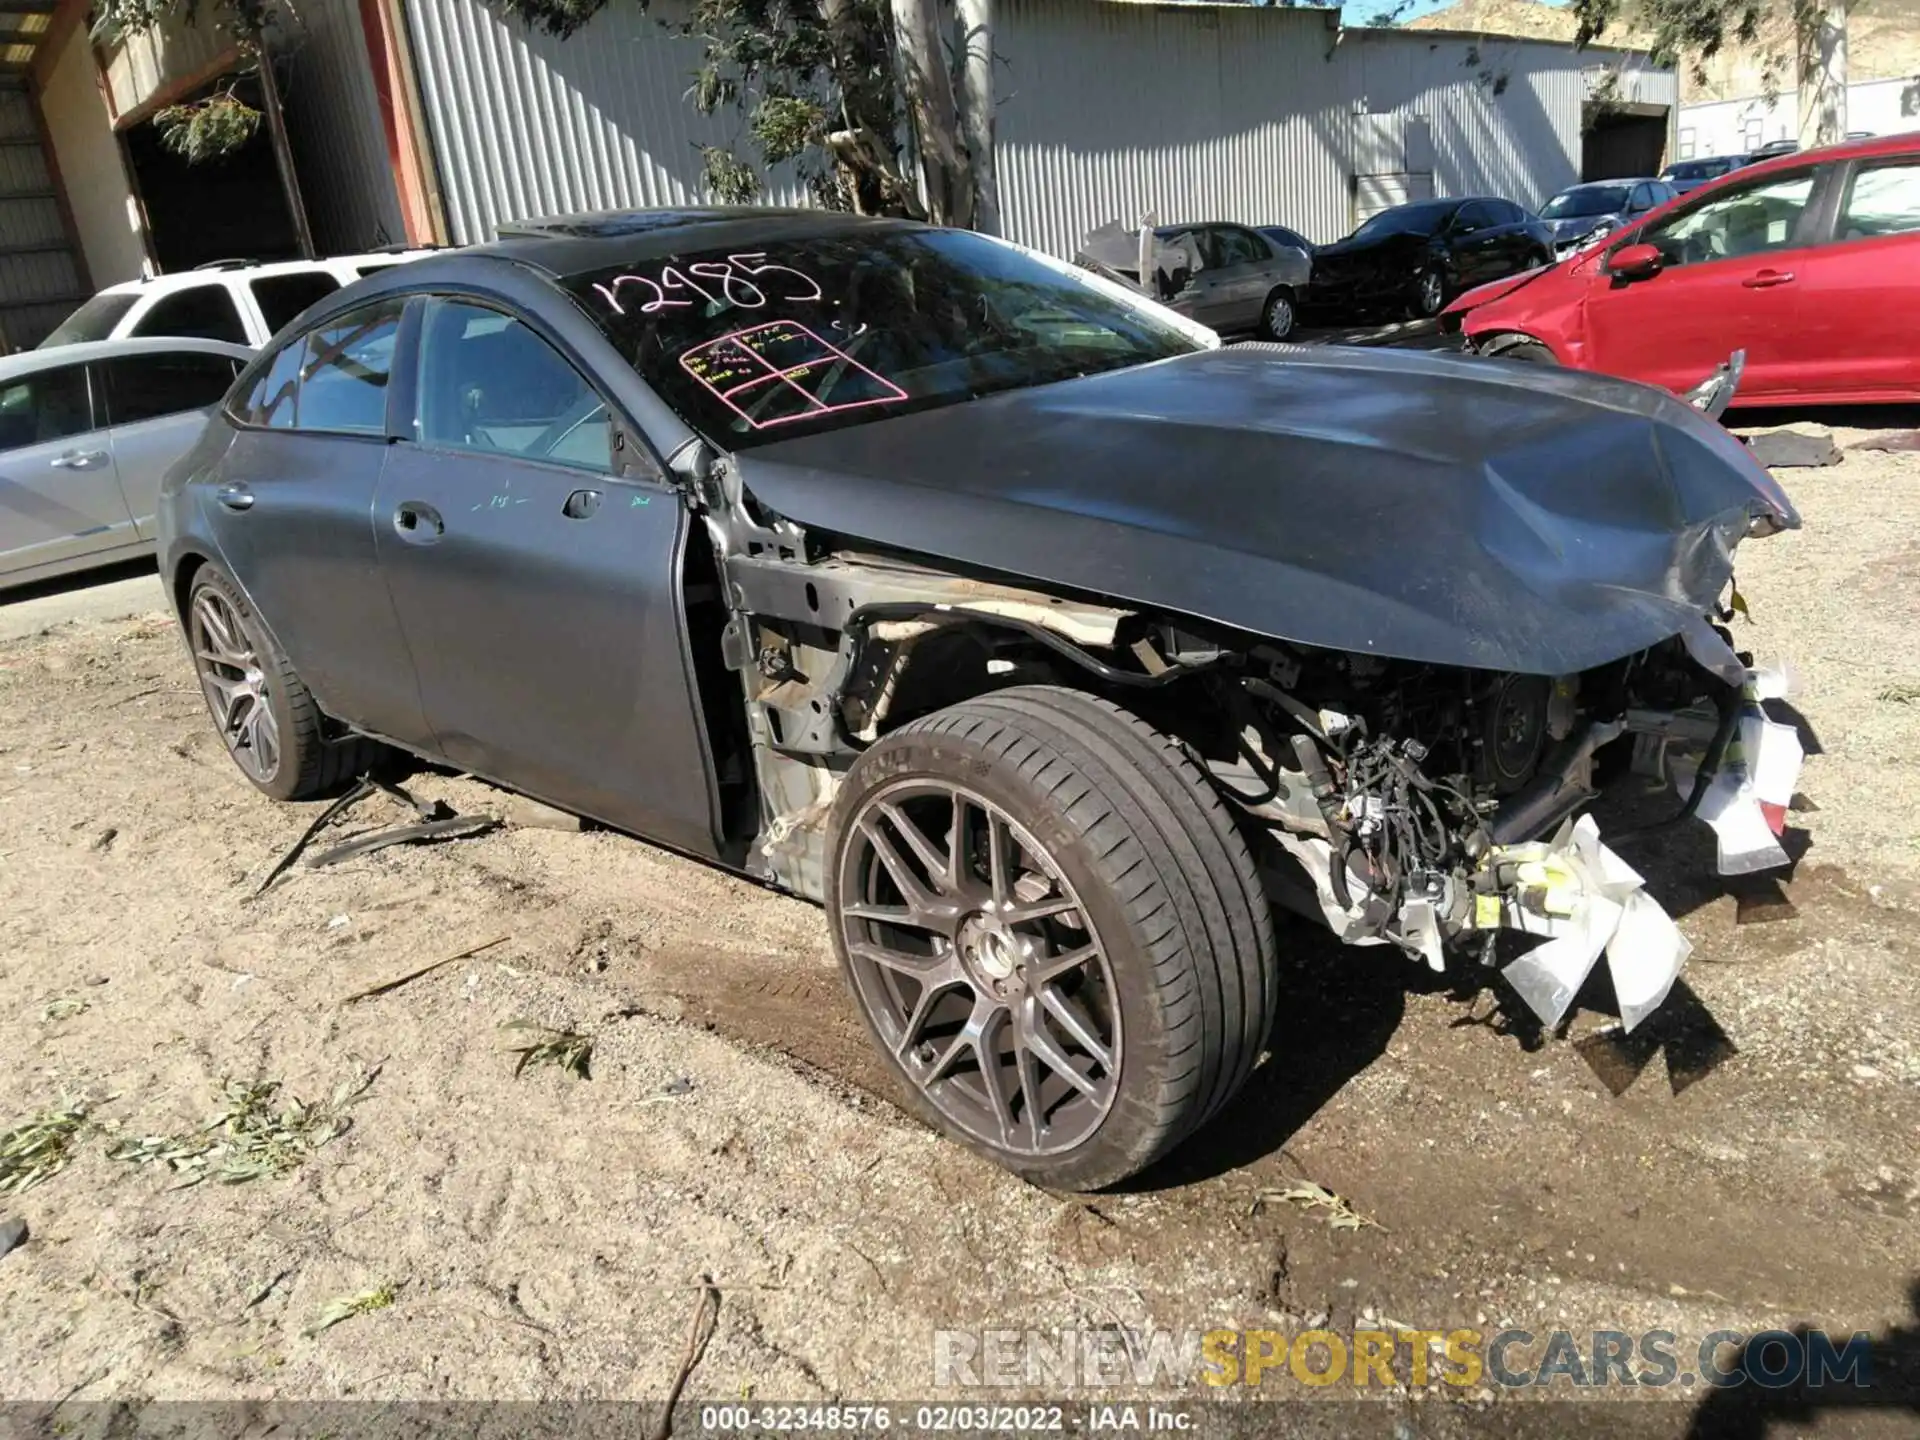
column 1810, row 263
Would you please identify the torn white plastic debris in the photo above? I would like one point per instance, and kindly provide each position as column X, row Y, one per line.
column 1747, row 802
column 1586, row 899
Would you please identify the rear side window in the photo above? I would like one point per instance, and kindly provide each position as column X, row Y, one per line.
column 272, row 400
column 146, row 387
column 45, row 407
column 281, row 297
column 343, row 383
column 200, row 312
column 92, row 321
column 1883, row 200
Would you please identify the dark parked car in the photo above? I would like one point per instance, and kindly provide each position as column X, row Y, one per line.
column 1233, row 279
column 992, row 605
column 1293, row 239
column 1416, row 257
column 1685, row 175
column 1581, row 215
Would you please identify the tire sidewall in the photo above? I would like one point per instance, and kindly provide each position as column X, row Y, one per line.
column 1131, row 1129
column 285, row 781
column 1267, row 327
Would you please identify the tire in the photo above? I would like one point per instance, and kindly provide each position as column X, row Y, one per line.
column 1530, row 352
column 1111, row 831
column 272, row 728
column 1278, row 315
column 1429, row 294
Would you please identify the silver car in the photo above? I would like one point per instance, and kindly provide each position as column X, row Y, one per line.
column 86, row 432
column 1237, row 280
column 1583, row 215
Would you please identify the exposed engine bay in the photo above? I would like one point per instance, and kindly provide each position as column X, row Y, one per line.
column 1420, row 806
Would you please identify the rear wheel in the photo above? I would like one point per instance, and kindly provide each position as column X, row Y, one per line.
column 271, row 726
column 1277, row 317
column 1054, row 930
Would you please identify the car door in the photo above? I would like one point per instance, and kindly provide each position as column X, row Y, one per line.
column 535, row 571
column 1188, row 273
column 292, row 509
column 157, row 405
column 1861, row 289
column 1729, row 280
column 1242, row 277
column 1474, row 244
column 59, row 500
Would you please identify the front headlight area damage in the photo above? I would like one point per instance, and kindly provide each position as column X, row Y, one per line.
column 1430, row 808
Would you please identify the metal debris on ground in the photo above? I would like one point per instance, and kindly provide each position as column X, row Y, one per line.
column 675, row 1088
column 437, row 821
column 566, row 1049
column 13, row 1234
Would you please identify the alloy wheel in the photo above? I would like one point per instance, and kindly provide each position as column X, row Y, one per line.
column 235, row 685
column 1432, row 292
column 1279, row 317
column 978, row 967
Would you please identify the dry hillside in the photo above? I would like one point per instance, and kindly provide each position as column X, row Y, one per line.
column 1883, row 40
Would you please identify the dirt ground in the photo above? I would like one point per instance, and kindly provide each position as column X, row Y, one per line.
column 544, row 1236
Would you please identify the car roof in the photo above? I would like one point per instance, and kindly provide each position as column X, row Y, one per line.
column 1873, row 149
column 1612, row 184
column 27, row 362
column 569, row 245
column 250, row 269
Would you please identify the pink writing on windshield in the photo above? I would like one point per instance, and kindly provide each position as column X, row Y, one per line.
column 777, row 373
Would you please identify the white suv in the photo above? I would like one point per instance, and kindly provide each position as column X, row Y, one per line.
column 233, row 300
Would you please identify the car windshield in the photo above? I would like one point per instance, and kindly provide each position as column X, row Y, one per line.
column 1406, row 220
column 1587, row 200
column 836, row 330
column 92, row 321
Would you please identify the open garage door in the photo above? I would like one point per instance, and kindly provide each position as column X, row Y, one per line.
column 1622, row 140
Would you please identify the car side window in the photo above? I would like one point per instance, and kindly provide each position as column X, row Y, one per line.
column 344, row 373
column 1749, row 220
column 1471, row 217
column 1640, row 198
column 44, row 407
column 1236, row 247
column 281, row 297
column 1881, row 200
column 199, row 312
column 489, row 383
column 146, row 387
column 274, row 399
column 1508, row 213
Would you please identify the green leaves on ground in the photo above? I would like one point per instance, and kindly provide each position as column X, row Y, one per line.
column 253, row 1137
column 345, row 1307
column 41, row 1147
column 568, row 1049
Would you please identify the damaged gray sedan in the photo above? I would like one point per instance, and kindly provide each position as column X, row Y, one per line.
column 995, row 607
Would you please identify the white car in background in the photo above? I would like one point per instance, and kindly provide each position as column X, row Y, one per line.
column 236, row 301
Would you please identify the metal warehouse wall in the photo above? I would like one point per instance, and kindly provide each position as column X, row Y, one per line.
column 1250, row 114
column 333, row 126
column 523, row 124
column 1107, row 109
column 1730, row 127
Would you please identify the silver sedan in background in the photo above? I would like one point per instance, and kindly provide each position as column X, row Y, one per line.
column 86, row 432
column 1236, row 280
column 1581, row 215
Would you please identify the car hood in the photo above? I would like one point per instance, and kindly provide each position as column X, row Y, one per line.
column 1426, row 507
column 1575, row 225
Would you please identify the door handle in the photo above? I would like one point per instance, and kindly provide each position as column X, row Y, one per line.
column 419, row 522
column 1767, row 279
column 78, row 459
column 235, row 497
column 581, row 504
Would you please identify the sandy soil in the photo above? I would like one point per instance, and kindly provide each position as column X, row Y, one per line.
column 545, row 1236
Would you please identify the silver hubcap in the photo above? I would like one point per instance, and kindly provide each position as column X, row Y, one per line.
column 235, row 686
column 1431, row 289
column 981, row 972
column 1279, row 316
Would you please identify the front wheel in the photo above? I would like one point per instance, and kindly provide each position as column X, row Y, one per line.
column 1054, row 930
column 1530, row 352
column 1429, row 293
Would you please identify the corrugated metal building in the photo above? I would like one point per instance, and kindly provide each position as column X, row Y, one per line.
column 1266, row 115
column 438, row 120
